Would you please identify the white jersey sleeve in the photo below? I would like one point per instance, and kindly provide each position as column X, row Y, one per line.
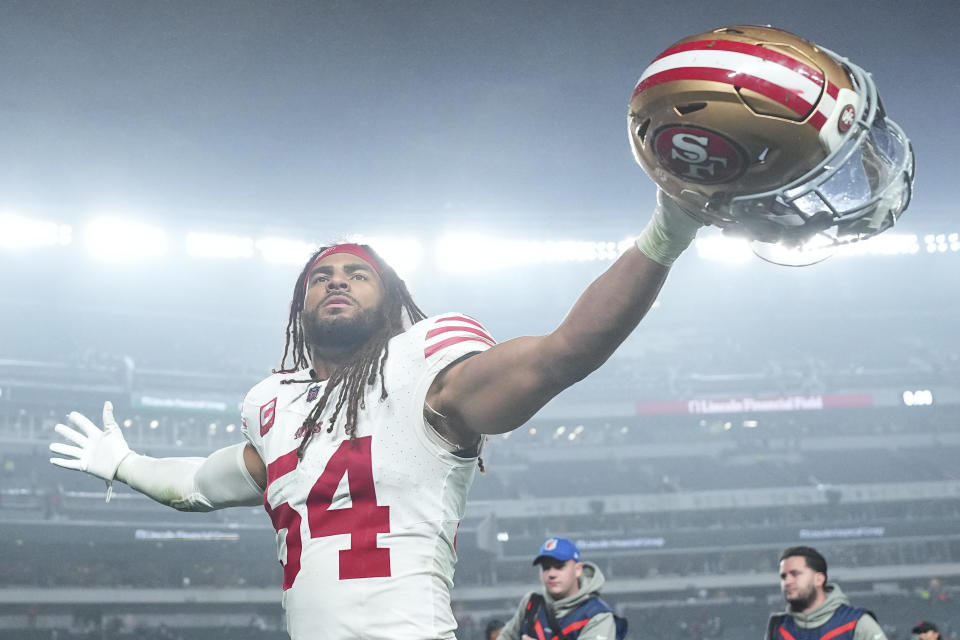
column 256, row 417
column 366, row 526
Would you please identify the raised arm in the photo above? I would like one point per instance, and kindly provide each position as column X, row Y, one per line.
column 501, row 388
column 232, row 476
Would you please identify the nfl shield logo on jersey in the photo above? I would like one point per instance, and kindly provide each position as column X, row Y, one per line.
column 313, row 393
column 268, row 413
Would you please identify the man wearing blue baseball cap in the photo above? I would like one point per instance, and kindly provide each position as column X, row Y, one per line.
column 569, row 607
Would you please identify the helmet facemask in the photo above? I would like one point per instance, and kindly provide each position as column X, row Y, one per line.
column 858, row 191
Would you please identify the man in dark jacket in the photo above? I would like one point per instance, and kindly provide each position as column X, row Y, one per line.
column 570, row 597
column 816, row 608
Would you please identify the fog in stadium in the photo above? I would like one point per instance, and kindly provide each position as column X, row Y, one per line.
column 166, row 168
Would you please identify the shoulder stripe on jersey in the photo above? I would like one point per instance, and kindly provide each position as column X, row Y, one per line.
column 429, row 350
column 282, row 466
column 460, row 319
column 438, row 330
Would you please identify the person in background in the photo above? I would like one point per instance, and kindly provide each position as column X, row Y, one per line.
column 816, row 608
column 570, row 605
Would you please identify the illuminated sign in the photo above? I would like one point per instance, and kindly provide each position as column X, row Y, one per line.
column 748, row 404
column 918, row 398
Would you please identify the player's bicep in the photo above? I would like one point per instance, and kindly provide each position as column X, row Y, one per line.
column 498, row 389
column 255, row 466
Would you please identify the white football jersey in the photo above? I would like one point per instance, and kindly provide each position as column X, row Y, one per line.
column 366, row 527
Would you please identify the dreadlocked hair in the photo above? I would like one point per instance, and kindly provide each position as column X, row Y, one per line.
column 351, row 378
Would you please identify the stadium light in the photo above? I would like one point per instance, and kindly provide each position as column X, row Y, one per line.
column 218, row 245
column 460, row 253
column 942, row 242
column 918, row 398
column 21, row 232
column 721, row 248
column 284, row 250
column 121, row 239
column 404, row 254
column 814, row 250
column 885, row 244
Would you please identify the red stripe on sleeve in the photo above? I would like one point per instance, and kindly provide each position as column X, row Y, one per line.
column 282, row 466
column 786, row 635
column 839, row 630
column 438, row 330
column 443, row 344
column 460, row 319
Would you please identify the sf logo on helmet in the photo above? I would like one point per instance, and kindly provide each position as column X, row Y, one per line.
column 698, row 155
column 847, row 117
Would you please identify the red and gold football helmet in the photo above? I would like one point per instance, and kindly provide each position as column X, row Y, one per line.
column 770, row 136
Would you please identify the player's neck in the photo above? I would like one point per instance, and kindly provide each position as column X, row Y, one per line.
column 325, row 362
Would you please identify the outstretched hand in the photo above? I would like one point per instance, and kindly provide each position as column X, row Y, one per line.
column 95, row 451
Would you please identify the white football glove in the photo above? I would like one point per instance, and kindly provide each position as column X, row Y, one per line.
column 99, row 453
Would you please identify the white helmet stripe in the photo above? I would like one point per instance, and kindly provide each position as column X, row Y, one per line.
column 738, row 63
column 824, row 111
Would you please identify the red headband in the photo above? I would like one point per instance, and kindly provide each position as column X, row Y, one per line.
column 352, row 249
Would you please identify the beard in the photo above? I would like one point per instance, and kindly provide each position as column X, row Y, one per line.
column 341, row 334
column 803, row 600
